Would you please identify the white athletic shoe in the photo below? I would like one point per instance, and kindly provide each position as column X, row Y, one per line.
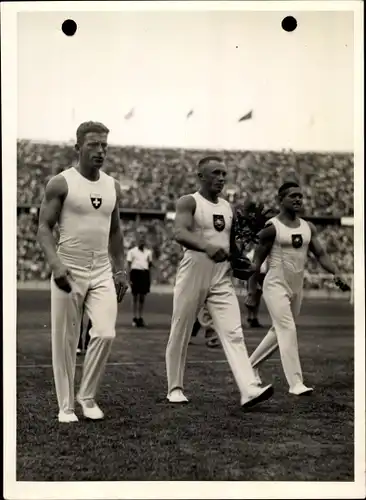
column 177, row 396
column 258, row 396
column 67, row 417
column 300, row 390
column 257, row 376
column 90, row 409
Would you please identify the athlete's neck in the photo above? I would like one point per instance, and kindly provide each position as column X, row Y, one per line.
column 212, row 197
column 88, row 171
column 288, row 216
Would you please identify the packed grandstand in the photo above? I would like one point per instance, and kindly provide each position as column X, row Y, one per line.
column 153, row 178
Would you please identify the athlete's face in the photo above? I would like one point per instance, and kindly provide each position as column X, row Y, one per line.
column 213, row 177
column 293, row 200
column 93, row 149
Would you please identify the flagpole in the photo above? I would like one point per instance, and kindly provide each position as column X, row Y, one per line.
column 183, row 149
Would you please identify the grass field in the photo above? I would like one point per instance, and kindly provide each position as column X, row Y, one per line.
column 144, row 438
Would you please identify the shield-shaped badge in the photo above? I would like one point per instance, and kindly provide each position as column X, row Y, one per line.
column 218, row 222
column 296, row 240
column 96, row 200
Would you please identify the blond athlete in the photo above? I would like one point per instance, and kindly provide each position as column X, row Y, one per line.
column 87, row 268
column 204, row 277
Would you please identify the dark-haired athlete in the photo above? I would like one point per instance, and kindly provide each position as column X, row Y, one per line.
column 285, row 241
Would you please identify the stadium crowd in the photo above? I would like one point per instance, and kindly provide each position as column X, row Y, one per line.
column 155, row 178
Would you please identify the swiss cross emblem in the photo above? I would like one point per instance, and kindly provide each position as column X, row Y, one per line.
column 297, row 240
column 96, row 200
column 218, row 222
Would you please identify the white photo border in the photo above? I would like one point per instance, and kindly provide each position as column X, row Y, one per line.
column 167, row 489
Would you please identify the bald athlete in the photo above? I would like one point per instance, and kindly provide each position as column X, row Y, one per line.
column 204, row 278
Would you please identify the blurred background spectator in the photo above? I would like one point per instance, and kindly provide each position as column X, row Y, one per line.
column 155, row 178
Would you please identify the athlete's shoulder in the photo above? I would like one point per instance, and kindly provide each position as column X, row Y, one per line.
column 186, row 202
column 268, row 233
column 113, row 182
column 56, row 187
column 68, row 173
column 108, row 177
column 117, row 187
column 226, row 203
column 310, row 225
column 271, row 222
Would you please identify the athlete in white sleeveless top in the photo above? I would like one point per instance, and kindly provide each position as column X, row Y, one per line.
column 285, row 241
column 87, row 268
column 203, row 226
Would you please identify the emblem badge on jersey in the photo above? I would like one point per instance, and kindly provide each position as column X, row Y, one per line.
column 218, row 222
column 297, row 240
column 96, row 200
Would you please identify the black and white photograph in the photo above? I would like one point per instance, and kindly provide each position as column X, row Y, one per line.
column 183, row 250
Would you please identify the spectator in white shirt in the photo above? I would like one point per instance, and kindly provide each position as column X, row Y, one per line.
column 139, row 261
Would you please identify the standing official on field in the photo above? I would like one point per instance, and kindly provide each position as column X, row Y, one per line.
column 139, row 262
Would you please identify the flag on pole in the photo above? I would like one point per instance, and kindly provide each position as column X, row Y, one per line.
column 248, row 116
column 130, row 114
column 189, row 114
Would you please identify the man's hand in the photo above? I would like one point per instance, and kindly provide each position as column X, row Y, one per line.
column 62, row 277
column 121, row 284
column 216, row 253
column 342, row 285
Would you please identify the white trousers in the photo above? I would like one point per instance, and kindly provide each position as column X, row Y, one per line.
column 283, row 306
column 92, row 289
column 199, row 282
column 204, row 318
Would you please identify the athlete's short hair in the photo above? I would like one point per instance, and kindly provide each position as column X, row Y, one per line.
column 86, row 127
column 285, row 187
column 207, row 159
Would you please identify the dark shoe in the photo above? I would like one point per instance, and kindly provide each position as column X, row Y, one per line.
column 213, row 342
column 141, row 323
column 135, row 322
column 263, row 394
column 255, row 323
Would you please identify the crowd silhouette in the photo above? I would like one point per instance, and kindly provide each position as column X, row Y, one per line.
column 154, row 178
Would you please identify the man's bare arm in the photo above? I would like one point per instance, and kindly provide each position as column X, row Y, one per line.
column 183, row 225
column 319, row 252
column 116, row 243
column 266, row 239
column 55, row 194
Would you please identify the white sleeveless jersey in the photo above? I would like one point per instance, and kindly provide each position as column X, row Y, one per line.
column 212, row 221
column 85, row 218
column 287, row 259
